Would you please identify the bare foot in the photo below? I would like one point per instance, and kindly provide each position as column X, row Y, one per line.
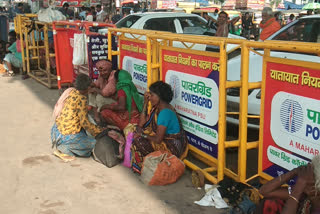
column 97, row 118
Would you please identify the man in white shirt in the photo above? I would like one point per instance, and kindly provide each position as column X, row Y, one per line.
column 89, row 16
column 101, row 15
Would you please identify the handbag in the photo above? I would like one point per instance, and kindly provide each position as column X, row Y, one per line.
column 106, row 150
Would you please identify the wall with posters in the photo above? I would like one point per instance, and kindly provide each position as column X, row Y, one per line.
column 133, row 58
column 291, row 132
column 194, row 78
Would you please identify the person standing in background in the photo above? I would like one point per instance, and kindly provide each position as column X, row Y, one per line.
column 223, row 24
column 66, row 12
column 83, row 12
column 279, row 18
column 89, row 16
column 19, row 9
column 269, row 24
column 247, row 25
column 291, row 18
column 101, row 15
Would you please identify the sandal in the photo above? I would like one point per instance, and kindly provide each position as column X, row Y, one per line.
column 25, row 76
column 10, row 73
column 7, row 74
column 64, row 157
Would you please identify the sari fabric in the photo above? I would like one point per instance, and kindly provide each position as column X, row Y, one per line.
column 132, row 115
column 125, row 83
column 275, row 206
column 79, row 144
column 176, row 144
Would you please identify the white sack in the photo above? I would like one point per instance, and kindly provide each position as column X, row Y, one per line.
column 80, row 52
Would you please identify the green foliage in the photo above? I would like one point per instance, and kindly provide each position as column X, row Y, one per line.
column 275, row 3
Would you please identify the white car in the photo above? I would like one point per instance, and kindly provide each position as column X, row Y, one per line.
column 305, row 29
column 181, row 23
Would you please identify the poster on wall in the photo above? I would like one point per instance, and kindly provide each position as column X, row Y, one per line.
column 194, row 78
column 291, row 133
column 133, row 58
column 97, row 50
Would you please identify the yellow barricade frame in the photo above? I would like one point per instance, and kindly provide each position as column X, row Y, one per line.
column 156, row 40
column 30, row 49
column 277, row 45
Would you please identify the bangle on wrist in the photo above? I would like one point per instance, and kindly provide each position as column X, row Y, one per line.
column 294, row 198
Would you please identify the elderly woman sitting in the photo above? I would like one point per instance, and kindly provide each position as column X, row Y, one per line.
column 304, row 197
column 102, row 90
column 166, row 129
column 68, row 133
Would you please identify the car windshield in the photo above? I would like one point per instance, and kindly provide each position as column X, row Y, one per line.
column 305, row 30
column 193, row 25
column 128, row 21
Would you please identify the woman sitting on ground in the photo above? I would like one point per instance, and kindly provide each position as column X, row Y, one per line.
column 166, row 130
column 68, row 133
column 128, row 106
column 304, row 197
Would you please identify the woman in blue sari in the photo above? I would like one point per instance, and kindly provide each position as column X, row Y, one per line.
column 161, row 130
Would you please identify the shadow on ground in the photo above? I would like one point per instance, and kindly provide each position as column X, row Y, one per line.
column 179, row 196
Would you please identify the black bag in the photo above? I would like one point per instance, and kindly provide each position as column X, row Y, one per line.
column 106, row 150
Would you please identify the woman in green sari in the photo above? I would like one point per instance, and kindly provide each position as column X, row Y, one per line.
column 129, row 104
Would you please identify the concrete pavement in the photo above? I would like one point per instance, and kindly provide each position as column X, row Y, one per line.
column 33, row 181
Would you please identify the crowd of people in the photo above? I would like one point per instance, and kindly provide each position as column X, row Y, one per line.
column 91, row 14
column 113, row 100
column 270, row 23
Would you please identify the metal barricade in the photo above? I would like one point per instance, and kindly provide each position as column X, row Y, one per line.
column 161, row 50
column 63, row 39
column 37, row 49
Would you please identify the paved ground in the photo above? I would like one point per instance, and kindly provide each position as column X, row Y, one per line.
column 33, row 181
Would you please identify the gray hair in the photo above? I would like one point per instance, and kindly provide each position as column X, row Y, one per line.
column 82, row 82
column 268, row 10
column 316, row 171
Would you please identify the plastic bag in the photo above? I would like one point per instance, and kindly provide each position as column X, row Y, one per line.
column 49, row 15
column 161, row 168
column 80, row 52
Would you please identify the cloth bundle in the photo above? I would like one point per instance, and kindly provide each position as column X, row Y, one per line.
column 161, row 168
